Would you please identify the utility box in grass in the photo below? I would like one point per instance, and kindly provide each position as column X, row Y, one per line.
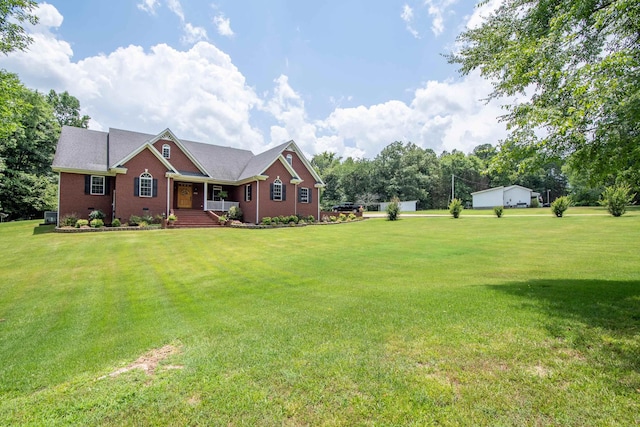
column 50, row 217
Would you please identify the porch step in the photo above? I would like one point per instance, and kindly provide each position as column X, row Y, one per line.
column 194, row 218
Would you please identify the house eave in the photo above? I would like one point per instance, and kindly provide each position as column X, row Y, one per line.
column 84, row 171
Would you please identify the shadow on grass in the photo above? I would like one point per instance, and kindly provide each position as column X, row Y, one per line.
column 43, row 229
column 596, row 317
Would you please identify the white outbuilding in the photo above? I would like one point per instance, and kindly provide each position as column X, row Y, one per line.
column 513, row 196
column 406, row 206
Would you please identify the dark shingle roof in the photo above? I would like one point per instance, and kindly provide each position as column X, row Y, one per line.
column 82, row 149
column 259, row 163
column 86, row 150
column 221, row 163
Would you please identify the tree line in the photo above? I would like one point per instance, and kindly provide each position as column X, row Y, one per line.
column 409, row 172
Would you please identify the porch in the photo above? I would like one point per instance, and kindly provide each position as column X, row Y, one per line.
column 203, row 196
column 220, row 205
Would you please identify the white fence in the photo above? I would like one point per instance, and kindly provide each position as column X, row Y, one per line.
column 221, row 205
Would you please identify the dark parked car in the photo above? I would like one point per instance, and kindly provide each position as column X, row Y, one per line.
column 345, row 207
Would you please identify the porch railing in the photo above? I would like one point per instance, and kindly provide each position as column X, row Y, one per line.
column 220, row 205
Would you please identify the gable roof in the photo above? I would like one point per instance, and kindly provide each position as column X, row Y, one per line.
column 84, row 150
column 502, row 189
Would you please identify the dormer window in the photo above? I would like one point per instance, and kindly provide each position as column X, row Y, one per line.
column 166, row 151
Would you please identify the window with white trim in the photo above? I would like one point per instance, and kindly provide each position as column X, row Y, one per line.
column 290, row 159
column 247, row 193
column 277, row 189
column 304, row 195
column 97, row 185
column 166, row 151
column 146, row 185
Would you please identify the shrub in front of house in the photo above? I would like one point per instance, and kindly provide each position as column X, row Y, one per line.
column 342, row 217
column 455, row 207
column 96, row 223
column 616, row 198
column 352, row 217
column 96, row 214
column 235, row 213
column 116, row 223
column 393, row 209
column 498, row 210
column 82, row 223
column 134, row 220
column 266, row 220
column 147, row 218
column 560, row 205
column 293, row 219
column 69, row 220
column 158, row 219
column 535, row 203
column 311, row 219
column 333, row 218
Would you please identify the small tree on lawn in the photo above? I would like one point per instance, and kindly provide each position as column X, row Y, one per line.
column 560, row 205
column 393, row 209
column 616, row 198
column 455, row 207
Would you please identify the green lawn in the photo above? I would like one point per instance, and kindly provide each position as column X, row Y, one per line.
column 475, row 321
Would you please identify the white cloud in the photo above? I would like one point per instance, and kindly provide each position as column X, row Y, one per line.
column 193, row 34
column 287, row 107
column 198, row 93
column 175, row 7
column 437, row 9
column 407, row 17
column 149, row 6
column 482, row 12
column 223, row 25
column 48, row 16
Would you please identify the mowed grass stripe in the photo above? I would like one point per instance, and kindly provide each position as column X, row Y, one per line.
column 528, row 320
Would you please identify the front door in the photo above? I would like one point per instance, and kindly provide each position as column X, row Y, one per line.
column 185, row 192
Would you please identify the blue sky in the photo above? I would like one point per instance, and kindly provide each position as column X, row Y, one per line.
column 342, row 76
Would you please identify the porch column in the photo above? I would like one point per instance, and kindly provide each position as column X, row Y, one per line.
column 257, row 202
column 206, row 186
column 168, row 196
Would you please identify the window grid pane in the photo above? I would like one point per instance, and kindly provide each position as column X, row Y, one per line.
column 304, row 195
column 146, row 185
column 97, row 185
column 277, row 190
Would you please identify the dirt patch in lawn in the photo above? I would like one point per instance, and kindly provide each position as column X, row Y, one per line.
column 149, row 361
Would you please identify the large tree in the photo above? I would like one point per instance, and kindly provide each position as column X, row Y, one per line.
column 14, row 13
column 27, row 185
column 575, row 67
column 67, row 109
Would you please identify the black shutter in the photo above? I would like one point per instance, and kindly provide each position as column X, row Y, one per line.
column 299, row 194
column 136, row 186
column 87, row 184
column 309, row 193
column 284, row 192
column 271, row 191
column 249, row 190
column 155, row 187
column 106, row 185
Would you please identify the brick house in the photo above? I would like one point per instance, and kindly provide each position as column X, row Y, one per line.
column 126, row 173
